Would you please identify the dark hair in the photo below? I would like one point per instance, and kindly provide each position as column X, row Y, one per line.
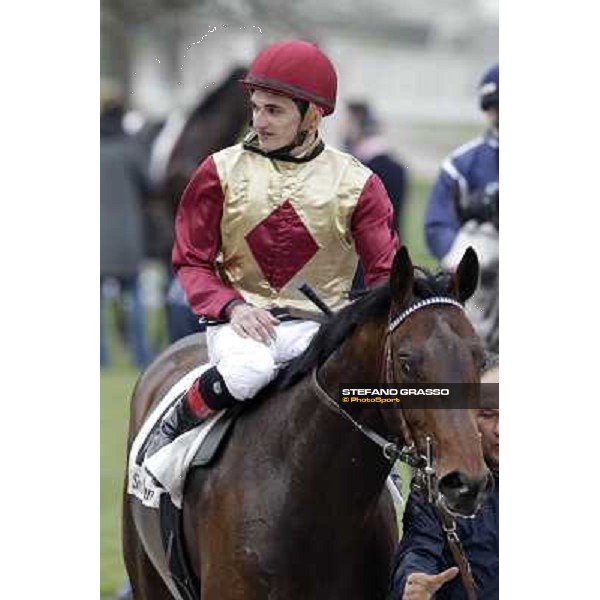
column 302, row 106
column 363, row 113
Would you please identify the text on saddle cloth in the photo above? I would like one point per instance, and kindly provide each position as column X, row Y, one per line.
column 165, row 471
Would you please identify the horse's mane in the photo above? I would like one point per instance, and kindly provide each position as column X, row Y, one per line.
column 373, row 304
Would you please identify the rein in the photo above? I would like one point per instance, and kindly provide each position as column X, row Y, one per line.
column 408, row 453
column 458, row 553
column 389, row 449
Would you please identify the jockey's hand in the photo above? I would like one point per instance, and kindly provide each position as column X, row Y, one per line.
column 251, row 321
column 420, row 586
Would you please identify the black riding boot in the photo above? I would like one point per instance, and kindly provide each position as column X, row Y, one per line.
column 207, row 395
column 178, row 419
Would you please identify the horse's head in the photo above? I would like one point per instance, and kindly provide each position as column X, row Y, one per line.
column 427, row 339
column 430, row 340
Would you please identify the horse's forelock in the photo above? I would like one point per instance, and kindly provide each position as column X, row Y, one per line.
column 427, row 284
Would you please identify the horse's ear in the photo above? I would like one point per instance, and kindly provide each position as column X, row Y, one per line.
column 401, row 278
column 467, row 275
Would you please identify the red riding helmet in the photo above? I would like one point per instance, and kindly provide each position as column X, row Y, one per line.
column 297, row 70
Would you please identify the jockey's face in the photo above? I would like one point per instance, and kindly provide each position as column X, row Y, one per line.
column 488, row 421
column 275, row 119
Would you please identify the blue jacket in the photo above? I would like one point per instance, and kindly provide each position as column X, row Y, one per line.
column 424, row 549
column 471, row 167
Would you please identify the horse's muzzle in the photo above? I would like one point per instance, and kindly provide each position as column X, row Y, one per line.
column 461, row 495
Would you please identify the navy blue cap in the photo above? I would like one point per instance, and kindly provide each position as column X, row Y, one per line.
column 489, row 88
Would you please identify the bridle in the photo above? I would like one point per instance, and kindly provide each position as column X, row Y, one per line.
column 409, row 452
column 424, row 464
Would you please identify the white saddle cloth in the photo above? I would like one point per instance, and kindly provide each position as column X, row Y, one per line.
column 165, row 471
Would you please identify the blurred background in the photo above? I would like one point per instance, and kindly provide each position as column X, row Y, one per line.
column 169, row 97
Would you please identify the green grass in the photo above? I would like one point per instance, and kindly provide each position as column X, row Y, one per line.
column 116, row 385
column 115, row 388
column 412, row 226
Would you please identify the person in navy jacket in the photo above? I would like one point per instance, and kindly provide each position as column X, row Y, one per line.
column 471, row 168
column 423, row 565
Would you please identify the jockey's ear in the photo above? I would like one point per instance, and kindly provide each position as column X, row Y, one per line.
column 466, row 276
column 401, row 278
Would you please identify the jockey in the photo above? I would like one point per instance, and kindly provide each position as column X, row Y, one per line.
column 472, row 168
column 259, row 218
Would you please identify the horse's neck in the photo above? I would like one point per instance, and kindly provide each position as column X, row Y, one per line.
column 330, row 452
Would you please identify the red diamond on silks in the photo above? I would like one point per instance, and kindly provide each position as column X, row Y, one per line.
column 281, row 245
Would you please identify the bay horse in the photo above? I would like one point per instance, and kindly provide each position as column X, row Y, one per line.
column 219, row 119
column 296, row 507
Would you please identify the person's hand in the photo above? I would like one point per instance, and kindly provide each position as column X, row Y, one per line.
column 480, row 205
column 251, row 321
column 420, row 586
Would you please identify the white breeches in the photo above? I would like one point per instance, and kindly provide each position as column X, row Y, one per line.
column 247, row 365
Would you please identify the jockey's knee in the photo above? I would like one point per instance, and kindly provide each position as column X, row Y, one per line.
column 246, row 376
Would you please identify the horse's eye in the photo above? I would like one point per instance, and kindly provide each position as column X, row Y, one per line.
column 406, row 368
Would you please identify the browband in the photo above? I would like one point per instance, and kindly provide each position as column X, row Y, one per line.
column 396, row 321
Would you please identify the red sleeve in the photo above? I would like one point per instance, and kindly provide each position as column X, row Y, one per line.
column 197, row 242
column 373, row 231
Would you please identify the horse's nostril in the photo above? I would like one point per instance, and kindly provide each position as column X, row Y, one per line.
column 457, row 486
column 462, row 494
column 453, row 482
